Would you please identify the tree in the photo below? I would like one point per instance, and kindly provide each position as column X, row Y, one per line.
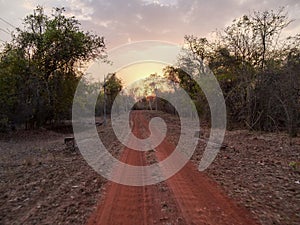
column 267, row 27
column 12, row 66
column 152, row 85
column 51, row 49
column 258, row 71
column 250, row 54
column 287, row 92
column 113, row 85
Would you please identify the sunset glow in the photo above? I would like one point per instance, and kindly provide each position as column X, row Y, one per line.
column 139, row 71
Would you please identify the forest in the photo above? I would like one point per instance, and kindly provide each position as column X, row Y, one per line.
column 256, row 65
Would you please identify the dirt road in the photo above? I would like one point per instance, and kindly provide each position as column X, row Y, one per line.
column 189, row 197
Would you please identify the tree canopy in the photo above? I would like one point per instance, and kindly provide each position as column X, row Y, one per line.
column 40, row 67
column 257, row 69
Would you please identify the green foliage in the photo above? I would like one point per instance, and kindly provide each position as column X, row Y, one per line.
column 40, row 68
column 179, row 77
column 113, row 85
column 294, row 165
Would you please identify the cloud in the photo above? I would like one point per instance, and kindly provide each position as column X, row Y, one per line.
column 121, row 21
column 171, row 20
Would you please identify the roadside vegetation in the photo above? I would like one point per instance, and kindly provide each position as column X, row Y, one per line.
column 257, row 68
column 41, row 66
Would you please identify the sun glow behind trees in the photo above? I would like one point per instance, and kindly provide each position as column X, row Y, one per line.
column 136, row 72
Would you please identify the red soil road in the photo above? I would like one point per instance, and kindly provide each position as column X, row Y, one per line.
column 189, row 197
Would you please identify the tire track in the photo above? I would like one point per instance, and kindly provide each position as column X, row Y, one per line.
column 189, row 197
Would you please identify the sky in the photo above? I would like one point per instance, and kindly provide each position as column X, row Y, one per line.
column 127, row 21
